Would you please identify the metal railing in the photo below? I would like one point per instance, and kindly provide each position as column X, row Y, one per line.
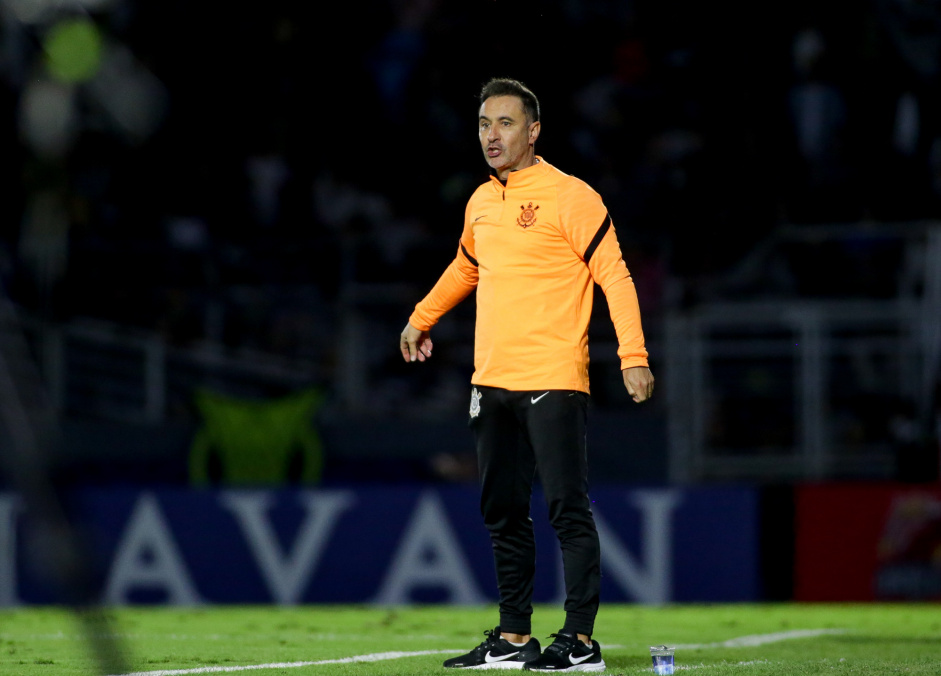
column 806, row 388
column 105, row 371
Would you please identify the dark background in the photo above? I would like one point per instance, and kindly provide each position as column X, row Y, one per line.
column 269, row 183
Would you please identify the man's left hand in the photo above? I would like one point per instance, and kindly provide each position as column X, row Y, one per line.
column 639, row 382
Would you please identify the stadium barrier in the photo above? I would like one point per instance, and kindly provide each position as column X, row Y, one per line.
column 384, row 545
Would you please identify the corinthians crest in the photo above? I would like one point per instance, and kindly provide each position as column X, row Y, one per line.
column 528, row 217
column 475, row 403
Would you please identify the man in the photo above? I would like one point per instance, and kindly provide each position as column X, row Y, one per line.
column 534, row 241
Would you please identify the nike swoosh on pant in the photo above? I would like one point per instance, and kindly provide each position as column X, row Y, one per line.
column 533, row 400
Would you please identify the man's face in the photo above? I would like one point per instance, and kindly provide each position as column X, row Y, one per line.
column 505, row 136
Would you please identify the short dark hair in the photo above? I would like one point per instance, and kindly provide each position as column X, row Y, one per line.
column 504, row 86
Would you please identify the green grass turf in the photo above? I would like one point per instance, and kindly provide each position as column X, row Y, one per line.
column 875, row 639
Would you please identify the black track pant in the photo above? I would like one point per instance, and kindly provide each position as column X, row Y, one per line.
column 517, row 434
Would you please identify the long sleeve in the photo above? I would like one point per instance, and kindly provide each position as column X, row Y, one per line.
column 591, row 234
column 454, row 285
column 625, row 313
column 609, row 271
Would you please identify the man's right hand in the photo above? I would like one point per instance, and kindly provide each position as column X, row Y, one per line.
column 415, row 344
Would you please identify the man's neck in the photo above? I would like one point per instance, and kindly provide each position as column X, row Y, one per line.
column 504, row 174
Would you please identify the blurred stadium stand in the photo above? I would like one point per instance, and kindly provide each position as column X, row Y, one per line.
column 228, row 202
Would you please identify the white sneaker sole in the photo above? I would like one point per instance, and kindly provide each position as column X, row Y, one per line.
column 594, row 666
column 498, row 665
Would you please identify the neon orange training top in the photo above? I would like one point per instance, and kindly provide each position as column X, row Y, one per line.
column 532, row 249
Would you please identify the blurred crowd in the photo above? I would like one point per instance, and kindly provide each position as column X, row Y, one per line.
column 248, row 177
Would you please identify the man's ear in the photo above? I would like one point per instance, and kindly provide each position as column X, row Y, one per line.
column 534, row 132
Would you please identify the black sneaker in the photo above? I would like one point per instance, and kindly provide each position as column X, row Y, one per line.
column 496, row 653
column 567, row 653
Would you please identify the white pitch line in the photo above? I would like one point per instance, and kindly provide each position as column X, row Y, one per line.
column 747, row 641
column 740, row 642
column 372, row 657
column 761, row 639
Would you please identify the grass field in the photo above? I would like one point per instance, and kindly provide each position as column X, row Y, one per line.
column 752, row 640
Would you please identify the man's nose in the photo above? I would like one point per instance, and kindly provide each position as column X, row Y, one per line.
column 493, row 134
